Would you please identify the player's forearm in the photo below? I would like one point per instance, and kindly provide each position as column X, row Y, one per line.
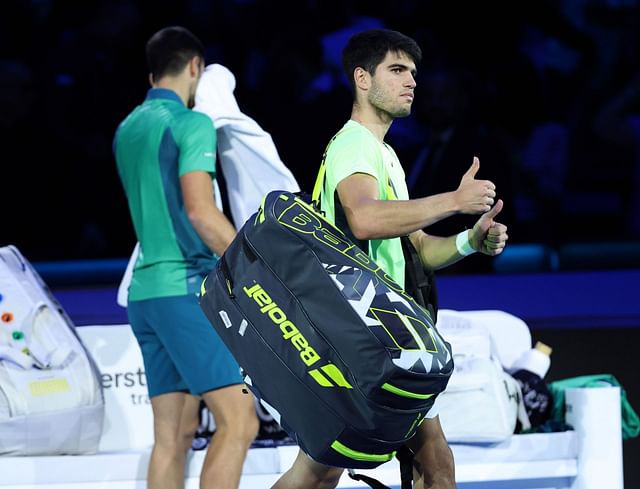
column 378, row 219
column 214, row 229
column 436, row 252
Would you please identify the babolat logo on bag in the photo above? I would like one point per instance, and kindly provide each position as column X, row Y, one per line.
column 345, row 358
column 289, row 331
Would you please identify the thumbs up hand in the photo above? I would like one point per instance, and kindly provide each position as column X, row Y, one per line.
column 474, row 196
column 489, row 236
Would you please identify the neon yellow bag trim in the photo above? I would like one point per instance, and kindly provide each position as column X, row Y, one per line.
column 404, row 393
column 367, row 457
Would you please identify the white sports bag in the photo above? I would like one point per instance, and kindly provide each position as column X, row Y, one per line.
column 482, row 402
column 51, row 399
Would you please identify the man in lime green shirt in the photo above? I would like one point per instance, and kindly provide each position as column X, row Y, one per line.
column 165, row 154
column 364, row 193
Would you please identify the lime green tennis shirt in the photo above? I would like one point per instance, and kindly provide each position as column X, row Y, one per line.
column 356, row 150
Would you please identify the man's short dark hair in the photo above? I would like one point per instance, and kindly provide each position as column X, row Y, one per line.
column 367, row 50
column 170, row 49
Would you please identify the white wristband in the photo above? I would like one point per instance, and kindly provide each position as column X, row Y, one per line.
column 463, row 245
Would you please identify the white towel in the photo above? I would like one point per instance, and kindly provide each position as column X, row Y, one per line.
column 249, row 159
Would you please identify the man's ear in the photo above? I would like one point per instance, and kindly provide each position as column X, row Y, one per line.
column 194, row 66
column 362, row 78
column 151, row 79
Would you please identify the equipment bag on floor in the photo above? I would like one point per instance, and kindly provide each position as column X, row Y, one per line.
column 345, row 358
column 51, row 399
column 483, row 402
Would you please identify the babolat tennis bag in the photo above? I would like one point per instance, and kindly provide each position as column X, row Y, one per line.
column 350, row 362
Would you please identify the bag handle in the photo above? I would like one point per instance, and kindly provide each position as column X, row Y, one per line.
column 405, row 457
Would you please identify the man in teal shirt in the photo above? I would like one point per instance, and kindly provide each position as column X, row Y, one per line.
column 165, row 154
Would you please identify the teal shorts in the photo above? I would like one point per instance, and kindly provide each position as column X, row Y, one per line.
column 182, row 352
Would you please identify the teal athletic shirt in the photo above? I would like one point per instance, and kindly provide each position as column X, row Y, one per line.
column 159, row 141
column 356, row 150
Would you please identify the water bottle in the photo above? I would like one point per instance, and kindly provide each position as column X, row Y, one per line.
column 529, row 370
column 536, row 360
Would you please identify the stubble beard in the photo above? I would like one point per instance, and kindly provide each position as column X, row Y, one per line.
column 384, row 107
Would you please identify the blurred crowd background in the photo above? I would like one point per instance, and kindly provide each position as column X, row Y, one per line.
column 545, row 92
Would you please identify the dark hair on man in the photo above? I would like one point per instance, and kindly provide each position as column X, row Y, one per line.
column 170, row 49
column 367, row 50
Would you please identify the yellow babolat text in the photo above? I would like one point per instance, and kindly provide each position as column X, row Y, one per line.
column 289, row 330
column 325, row 375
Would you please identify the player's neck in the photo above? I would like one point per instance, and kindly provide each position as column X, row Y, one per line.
column 176, row 85
column 373, row 122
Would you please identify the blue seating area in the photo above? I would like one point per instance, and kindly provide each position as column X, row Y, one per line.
column 535, row 257
column 577, row 285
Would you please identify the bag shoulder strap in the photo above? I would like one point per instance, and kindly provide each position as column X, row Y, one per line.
column 319, row 183
column 419, row 282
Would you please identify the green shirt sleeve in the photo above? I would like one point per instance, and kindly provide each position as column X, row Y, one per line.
column 196, row 139
column 353, row 152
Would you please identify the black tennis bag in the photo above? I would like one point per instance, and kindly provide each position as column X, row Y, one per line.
column 348, row 359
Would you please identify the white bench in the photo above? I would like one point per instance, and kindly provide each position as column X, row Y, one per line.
column 588, row 458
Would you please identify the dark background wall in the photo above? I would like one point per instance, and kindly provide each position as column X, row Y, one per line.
column 524, row 84
column 546, row 93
